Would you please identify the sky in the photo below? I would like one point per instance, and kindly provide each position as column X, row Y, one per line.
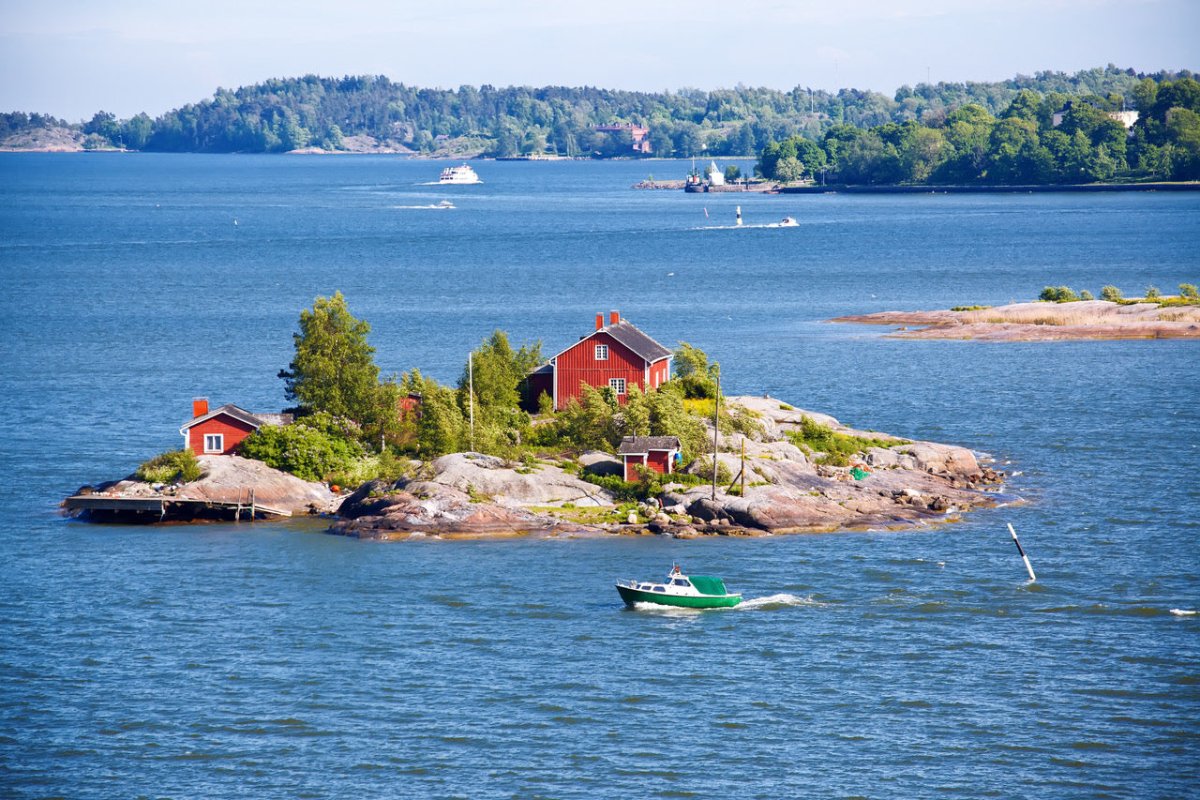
column 72, row 58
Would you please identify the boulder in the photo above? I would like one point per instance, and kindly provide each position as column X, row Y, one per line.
column 489, row 477
column 601, row 463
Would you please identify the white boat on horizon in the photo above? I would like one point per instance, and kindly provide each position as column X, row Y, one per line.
column 461, row 175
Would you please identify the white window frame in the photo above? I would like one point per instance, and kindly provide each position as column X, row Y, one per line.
column 617, row 385
column 602, row 352
column 218, row 438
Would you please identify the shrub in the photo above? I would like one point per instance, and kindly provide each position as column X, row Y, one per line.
column 1086, row 295
column 307, row 453
column 1152, row 293
column 1189, row 291
column 704, row 469
column 1112, row 294
column 1058, row 294
column 174, row 465
column 972, row 308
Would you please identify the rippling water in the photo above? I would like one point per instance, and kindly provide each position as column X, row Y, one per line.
column 273, row 660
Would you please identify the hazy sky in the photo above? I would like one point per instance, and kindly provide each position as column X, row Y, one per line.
column 71, row 58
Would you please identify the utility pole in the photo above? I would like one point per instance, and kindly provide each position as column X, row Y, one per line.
column 716, row 411
column 471, row 390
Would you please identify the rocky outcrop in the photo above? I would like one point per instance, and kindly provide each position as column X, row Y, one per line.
column 1043, row 321
column 788, row 490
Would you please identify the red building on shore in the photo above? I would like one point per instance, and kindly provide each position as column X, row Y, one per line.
column 655, row 453
column 617, row 355
column 218, row 432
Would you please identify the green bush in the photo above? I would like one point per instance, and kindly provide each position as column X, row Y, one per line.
column 1058, row 294
column 1086, row 295
column 1189, row 291
column 835, row 448
column 169, row 467
column 704, row 470
column 311, row 454
column 1112, row 294
column 1152, row 294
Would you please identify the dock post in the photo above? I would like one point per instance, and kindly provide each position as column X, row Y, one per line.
column 253, row 510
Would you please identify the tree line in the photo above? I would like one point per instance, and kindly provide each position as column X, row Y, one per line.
column 1038, row 138
column 287, row 114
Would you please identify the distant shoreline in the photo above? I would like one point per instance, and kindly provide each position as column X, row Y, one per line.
column 1155, row 186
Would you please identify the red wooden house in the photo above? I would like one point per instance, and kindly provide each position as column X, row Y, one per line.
column 219, row 431
column 657, row 453
column 617, row 355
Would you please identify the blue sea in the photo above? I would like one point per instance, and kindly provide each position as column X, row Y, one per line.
column 273, row 660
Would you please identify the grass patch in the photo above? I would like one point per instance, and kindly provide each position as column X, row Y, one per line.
column 830, row 447
column 969, row 308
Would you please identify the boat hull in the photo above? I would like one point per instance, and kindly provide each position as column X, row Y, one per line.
column 631, row 596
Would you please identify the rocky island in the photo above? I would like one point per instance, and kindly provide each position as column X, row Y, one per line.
column 1041, row 321
column 617, row 434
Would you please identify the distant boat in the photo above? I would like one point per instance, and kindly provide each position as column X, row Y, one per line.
column 680, row 591
column 444, row 204
column 459, row 175
column 788, row 222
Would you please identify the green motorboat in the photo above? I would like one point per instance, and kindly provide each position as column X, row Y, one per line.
column 680, row 591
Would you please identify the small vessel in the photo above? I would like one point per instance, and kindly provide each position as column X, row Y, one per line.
column 788, row 222
column 444, row 204
column 459, row 175
column 680, row 591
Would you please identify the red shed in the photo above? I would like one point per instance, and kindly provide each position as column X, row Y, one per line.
column 657, row 453
column 617, row 355
column 218, row 432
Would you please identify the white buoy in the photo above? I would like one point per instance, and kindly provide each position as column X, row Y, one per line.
column 1021, row 550
column 739, row 215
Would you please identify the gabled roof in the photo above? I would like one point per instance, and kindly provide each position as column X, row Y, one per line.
column 632, row 337
column 629, row 335
column 241, row 415
column 636, row 445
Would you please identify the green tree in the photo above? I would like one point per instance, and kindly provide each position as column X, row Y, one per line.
column 441, row 427
column 334, row 368
column 696, row 376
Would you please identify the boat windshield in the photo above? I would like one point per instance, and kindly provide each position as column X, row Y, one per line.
column 680, row 582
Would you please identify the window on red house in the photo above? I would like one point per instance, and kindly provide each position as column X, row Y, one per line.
column 602, row 352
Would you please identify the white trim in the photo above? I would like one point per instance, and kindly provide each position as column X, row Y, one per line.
column 620, row 390
column 220, row 443
column 596, row 353
column 554, row 380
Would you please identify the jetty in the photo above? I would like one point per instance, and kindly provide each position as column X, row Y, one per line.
column 100, row 507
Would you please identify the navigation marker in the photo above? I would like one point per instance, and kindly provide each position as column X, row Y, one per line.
column 1021, row 550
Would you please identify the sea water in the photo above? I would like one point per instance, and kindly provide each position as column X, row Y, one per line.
column 271, row 659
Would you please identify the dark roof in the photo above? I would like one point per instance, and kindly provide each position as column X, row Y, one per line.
column 544, row 369
column 629, row 335
column 644, row 444
column 242, row 415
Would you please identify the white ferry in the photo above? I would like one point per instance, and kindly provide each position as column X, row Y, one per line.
column 459, row 175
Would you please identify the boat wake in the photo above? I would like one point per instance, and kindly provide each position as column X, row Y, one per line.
column 438, row 206
column 745, row 227
column 1183, row 612
column 774, row 601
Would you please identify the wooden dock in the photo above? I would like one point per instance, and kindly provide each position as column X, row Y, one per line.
column 165, row 508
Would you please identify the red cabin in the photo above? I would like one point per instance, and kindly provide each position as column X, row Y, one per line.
column 219, row 431
column 657, row 453
column 617, row 355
